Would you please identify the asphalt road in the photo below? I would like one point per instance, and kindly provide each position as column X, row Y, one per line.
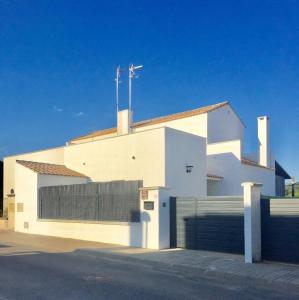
column 92, row 275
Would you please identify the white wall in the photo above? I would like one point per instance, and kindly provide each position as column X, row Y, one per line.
column 224, row 125
column 138, row 156
column 223, row 159
column 195, row 125
column 27, row 183
column 54, row 156
column 231, row 146
column 156, row 223
column 126, row 234
column 50, row 180
column 26, row 193
column 161, row 155
column 185, row 149
column 260, row 175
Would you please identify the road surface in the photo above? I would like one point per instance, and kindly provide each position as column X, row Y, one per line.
column 95, row 275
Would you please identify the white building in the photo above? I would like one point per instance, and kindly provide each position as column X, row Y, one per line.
column 223, row 130
column 193, row 153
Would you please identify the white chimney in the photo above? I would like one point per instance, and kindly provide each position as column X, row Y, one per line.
column 263, row 137
column 124, row 122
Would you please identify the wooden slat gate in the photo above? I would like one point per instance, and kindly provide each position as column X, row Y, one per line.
column 280, row 229
column 212, row 224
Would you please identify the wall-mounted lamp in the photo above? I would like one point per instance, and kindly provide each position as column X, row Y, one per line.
column 189, row 168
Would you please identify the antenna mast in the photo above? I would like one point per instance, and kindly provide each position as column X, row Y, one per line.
column 132, row 75
column 117, row 81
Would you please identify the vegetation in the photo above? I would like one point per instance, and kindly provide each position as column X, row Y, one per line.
column 288, row 190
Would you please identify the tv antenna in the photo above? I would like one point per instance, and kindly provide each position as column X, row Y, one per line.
column 117, row 82
column 132, row 75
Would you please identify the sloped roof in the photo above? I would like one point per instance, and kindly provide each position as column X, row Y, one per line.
column 214, row 177
column 181, row 115
column 253, row 163
column 49, row 169
column 280, row 171
column 96, row 133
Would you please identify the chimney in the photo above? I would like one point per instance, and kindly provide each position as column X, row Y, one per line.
column 123, row 122
column 263, row 137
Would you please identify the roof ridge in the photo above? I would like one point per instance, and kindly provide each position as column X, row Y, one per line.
column 207, row 108
column 178, row 115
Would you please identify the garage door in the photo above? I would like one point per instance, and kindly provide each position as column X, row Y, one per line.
column 212, row 224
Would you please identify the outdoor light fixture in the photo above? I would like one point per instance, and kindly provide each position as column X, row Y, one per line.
column 189, row 168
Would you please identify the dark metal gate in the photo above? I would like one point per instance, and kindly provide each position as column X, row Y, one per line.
column 280, row 229
column 212, row 224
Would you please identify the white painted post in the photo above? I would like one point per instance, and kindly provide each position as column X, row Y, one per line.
column 252, row 221
column 154, row 208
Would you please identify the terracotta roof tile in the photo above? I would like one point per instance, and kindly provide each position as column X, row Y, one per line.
column 158, row 120
column 181, row 115
column 214, row 176
column 253, row 163
column 49, row 169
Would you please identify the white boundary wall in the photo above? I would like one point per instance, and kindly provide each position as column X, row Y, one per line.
column 126, row 234
column 152, row 232
column 27, row 184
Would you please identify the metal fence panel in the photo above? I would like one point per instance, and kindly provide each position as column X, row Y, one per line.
column 280, row 229
column 212, row 223
column 103, row 201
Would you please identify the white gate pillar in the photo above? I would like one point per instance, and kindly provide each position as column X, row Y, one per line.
column 252, row 221
column 155, row 219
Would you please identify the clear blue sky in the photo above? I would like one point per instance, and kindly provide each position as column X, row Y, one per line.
column 57, row 61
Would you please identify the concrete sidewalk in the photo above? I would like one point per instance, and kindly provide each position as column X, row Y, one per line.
column 213, row 262
column 13, row 243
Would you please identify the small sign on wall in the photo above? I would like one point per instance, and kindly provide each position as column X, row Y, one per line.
column 144, row 194
column 148, row 205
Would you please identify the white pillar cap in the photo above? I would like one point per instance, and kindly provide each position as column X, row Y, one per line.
column 148, row 188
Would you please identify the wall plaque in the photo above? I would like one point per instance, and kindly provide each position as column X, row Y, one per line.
column 144, row 194
column 148, row 205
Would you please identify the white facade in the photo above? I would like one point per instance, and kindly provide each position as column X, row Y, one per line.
column 151, row 232
column 128, row 234
column 224, row 125
column 158, row 157
column 158, row 152
column 146, row 156
column 225, row 160
column 149, row 156
column 189, row 151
